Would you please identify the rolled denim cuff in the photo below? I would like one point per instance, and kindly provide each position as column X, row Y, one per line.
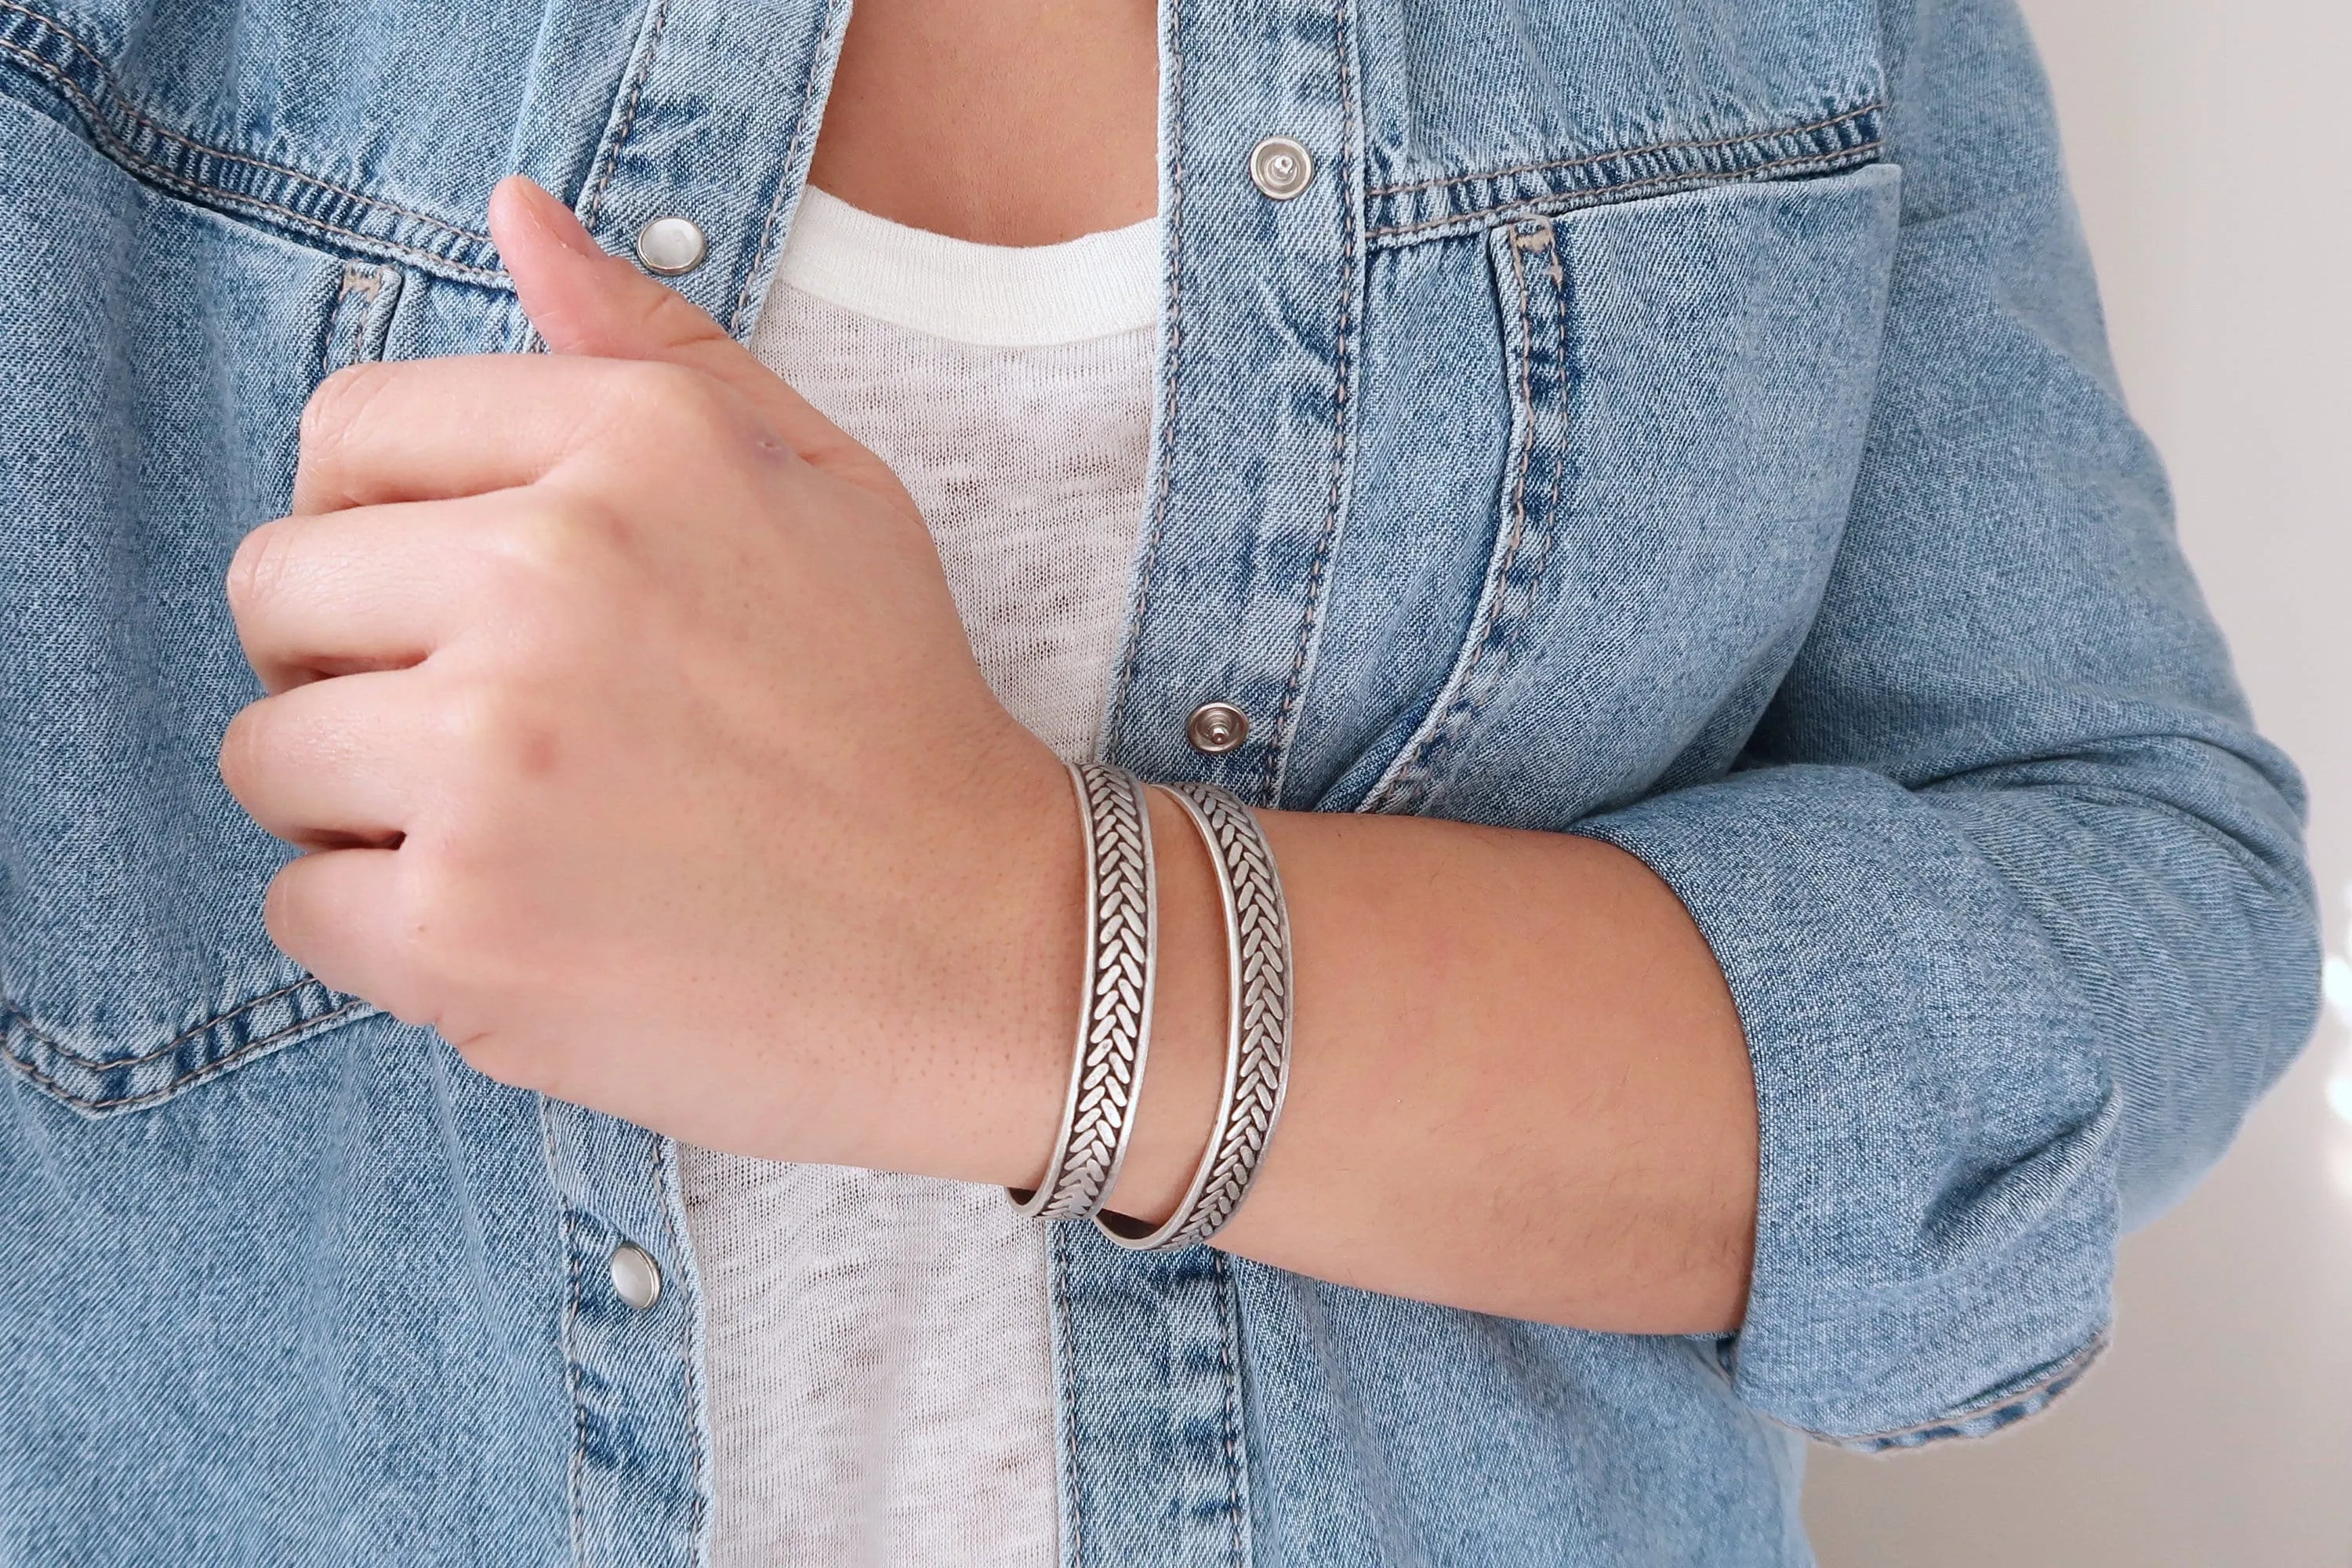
column 1936, row 1223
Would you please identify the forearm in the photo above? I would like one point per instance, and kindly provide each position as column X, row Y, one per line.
column 1519, row 1084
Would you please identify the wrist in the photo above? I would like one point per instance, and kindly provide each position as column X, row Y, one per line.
column 973, row 986
column 1008, row 1025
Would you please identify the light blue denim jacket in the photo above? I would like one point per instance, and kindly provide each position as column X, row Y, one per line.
column 1683, row 421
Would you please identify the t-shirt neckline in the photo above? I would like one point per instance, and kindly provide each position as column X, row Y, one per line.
column 1002, row 296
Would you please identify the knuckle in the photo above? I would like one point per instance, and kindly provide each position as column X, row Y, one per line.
column 338, row 403
column 466, row 720
column 280, row 909
column 502, row 743
column 666, row 405
column 510, row 744
column 529, row 548
column 556, row 568
column 555, row 540
column 256, row 569
column 240, row 751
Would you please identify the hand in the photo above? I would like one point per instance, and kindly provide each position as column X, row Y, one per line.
column 622, row 705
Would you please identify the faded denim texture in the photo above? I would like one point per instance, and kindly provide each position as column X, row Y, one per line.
column 1686, row 423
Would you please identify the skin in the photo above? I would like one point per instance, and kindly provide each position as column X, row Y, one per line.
column 621, row 704
column 1005, row 122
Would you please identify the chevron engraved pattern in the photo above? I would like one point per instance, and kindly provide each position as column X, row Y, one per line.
column 1115, row 1017
column 1261, row 950
column 1257, row 1037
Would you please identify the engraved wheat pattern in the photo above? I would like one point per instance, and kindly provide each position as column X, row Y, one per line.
column 1264, row 943
column 1115, row 1013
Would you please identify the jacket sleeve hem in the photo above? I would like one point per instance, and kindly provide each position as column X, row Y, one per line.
column 2036, row 1394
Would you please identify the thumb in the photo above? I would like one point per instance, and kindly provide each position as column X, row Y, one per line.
column 585, row 301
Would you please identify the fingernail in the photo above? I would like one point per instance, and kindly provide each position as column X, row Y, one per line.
column 557, row 222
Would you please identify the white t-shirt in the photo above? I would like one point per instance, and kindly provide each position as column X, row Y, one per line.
column 880, row 1346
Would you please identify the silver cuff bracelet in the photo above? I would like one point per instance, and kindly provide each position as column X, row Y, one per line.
column 1115, row 1007
column 1257, row 1037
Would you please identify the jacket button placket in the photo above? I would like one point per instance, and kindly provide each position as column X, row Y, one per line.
column 1250, row 485
column 1263, row 300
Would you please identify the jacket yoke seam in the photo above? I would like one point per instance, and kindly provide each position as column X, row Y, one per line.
column 1555, row 165
column 209, row 1070
column 112, row 1064
column 100, row 118
column 106, row 74
column 1602, row 195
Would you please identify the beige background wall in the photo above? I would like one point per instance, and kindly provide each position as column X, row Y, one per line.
column 2207, row 144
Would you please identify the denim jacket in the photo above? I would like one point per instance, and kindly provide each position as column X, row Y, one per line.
column 1682, row 422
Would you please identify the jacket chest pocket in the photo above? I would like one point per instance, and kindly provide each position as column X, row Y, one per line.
column 1535, row 315
column 1654, row 414
column 152, row 375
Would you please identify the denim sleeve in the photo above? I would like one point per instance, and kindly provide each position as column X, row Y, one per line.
column 2012, row 899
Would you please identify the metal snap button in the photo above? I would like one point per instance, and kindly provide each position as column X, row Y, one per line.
column 636, row 1277
column 1216, row 728
column 1281, row 167
column 669, row 246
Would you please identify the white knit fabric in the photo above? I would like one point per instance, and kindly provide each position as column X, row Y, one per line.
column 880, row 1355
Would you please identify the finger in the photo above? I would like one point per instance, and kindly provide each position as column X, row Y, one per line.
column 332, row 765
column 585, row 303
column 340, row 914
column 379, row 434
column 376, row 587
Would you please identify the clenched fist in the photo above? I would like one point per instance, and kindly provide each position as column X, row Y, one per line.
column 621, row 704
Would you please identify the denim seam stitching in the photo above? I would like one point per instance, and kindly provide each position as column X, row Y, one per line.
column 681, row 1244
column 1277, row 757
column 784, row 186
column 576, row 1474
column 1405, row 779
column 1745, row 138
column 1071, row 1479
column 1603, row 195
column 1165, row 456
column 112, row 144
column 109, row 1064
column 1529, row 556
column 1486, row 667
column 2052, row 1383
column 591, row 200
column 106, row 73
column 210, row 1069
column 1227, row 1330
column 100, row 120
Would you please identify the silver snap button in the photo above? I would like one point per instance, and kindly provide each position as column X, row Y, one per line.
column 1281, row 167
column 636, row 1277
column 1216, row 728
column 669, row 246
